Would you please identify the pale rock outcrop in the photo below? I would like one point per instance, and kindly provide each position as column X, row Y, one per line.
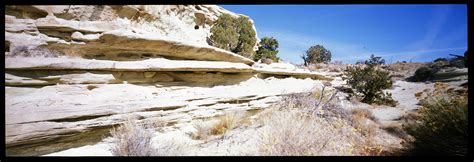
column 73, row 72
column 176, row 23
column 39, row 115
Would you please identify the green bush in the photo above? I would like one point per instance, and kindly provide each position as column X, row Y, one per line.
column 423, row 74
column 316, row 54
column 234, row 34
column 441, row 59
column 267, row 49
column 370, row 81
column 442, row 126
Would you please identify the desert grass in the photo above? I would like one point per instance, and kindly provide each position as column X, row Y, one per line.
column 360, row 120
column 134, row 138
column 224, row 124
column 202, row 131
column 315, row 124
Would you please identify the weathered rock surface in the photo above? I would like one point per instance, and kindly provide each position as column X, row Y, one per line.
column 119, row 32
column 49, row 71
column 73, row 72
column 451, row 74
column 157, row 64
column 39, row 116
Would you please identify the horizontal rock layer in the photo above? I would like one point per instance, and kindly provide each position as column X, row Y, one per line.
column 48, row 71
column 36, row 118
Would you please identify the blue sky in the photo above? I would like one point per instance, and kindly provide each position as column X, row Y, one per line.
column 353, row 32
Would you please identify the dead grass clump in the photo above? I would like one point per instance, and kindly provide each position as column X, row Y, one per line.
column 157, row 123
column 202, row 131
column 288, row 133
column 291, row 132
column 360, row 121
column 223, row 124
column 321, row 102
column 132, row 139
column 363, row 114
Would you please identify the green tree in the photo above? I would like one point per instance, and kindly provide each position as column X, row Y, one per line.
column 223, row 33
column 267, row 49
column 247, row 38
column 316, row 54
column 375, row 60
column 234, row 34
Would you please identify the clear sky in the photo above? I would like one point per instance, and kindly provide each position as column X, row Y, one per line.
column 353, row 32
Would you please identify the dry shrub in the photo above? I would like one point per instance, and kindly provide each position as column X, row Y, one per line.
column 157, row 123
column 359, row 120
column 291, row 133
column 223, row 124
column 442, row 125
column 245, row 121
column 302, row 125
column 132, row 139
column 202, row 131
column 362, row 114
column 315, row 102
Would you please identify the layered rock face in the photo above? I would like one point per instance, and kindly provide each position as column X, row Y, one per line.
column 73, row 72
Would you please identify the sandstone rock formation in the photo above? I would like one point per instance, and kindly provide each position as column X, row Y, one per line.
column 73, row 72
